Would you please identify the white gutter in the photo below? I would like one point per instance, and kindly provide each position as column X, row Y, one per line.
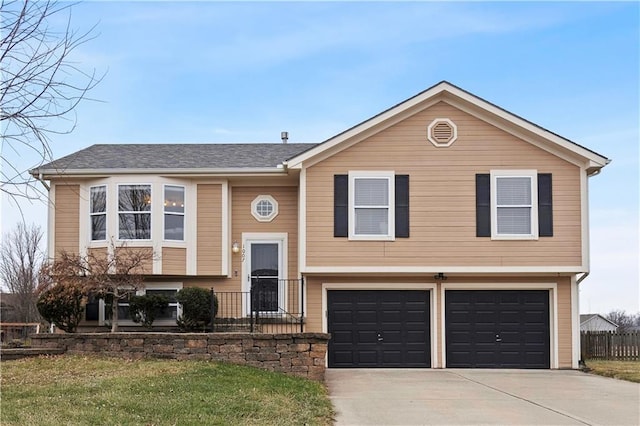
column 40, row 178
column 208, row 172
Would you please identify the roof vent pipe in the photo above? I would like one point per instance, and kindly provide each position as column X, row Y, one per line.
column 284, row 136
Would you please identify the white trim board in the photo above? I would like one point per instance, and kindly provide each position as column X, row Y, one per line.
column 447, row 270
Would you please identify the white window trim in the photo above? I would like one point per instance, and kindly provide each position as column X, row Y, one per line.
column 105, row 213
column 533, row 176
column 165, row 212
column 390, row 176
column 280, row 238
column 254, row 208
column 150, row 212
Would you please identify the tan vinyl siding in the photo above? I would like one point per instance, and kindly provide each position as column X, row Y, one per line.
column 209, row 232
column 174, row 261
column 442, row 198
column 314, row 305
column 67, row 218
column 564, row 323
column 145, row 254
column 285, row 222
column 98, row 253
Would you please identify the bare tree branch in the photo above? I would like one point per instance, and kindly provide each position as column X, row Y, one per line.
column 40, row 86
column 20, row 263
column 109, row 276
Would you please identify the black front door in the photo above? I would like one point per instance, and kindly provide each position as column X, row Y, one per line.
column 497, row 329
column 379, row 328
column 264, row 276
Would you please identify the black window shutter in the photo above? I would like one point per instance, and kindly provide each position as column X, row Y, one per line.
column 402, row 206
column 545, row 205
column 340, row 205
column 483, row 205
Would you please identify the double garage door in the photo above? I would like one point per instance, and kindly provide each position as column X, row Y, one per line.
column 483, row 328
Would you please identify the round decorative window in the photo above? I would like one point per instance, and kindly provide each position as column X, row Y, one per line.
column 264, row 208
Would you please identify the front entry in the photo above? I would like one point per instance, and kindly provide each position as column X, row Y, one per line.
column 264, row 273
column 379, row 328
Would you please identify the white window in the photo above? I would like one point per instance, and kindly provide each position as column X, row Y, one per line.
column 134, row 212
column 174, row 213
column 170, row 313
column 167, row 316
column 514, row 201
column 371, row 205
column 98, row 212
column 264, row 208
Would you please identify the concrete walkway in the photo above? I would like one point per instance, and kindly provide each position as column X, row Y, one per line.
column 473, row 397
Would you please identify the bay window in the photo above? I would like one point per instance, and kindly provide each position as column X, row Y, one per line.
column 98, row 212
column 134, row 212
column 174, row 213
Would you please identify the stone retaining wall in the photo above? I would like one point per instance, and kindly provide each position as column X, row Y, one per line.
column 300, row 354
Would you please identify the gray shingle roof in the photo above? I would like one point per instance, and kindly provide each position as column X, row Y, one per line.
column 176, row 156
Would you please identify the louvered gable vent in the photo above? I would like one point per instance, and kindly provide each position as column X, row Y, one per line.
column 442, row 132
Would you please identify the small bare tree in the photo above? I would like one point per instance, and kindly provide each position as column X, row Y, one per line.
column 20, row 263
column 39, row 85
column 623, row 319
column 111, row 277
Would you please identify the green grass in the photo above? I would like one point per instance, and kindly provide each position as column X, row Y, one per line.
column 624, row 370
column 74, row 390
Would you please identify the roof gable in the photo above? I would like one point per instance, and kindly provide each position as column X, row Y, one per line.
column 467, row 102
column 586, row 318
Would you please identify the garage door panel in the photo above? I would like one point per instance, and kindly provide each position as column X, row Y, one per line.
column 343, row 357
column 389, row 328
column 367, row 358
column 342, row 336
column 504, row 328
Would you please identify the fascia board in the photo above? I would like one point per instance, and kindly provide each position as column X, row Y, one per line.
column 564, row 143
column 53, row 173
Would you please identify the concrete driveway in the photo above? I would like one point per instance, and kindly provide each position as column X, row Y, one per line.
column 472, row 397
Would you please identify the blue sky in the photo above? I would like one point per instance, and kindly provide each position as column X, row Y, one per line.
column 244, row 72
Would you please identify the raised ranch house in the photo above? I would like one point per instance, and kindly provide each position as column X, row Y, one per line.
column 443, row 232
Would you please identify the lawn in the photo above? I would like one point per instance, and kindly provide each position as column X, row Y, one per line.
column 625, row 370
column 79, row 390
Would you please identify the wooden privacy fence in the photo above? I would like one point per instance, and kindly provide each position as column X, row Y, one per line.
column 610, row 345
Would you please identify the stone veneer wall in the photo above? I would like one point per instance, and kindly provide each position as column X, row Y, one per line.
column 299, row 354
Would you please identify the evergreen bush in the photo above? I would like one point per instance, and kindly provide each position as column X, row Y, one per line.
column 144, row 309
column 196, row 308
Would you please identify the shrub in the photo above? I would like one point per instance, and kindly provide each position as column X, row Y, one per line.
column 143, row 309
column 196, row 308
column 61, row 305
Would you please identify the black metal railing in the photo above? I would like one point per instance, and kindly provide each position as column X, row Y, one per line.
column 271, row 306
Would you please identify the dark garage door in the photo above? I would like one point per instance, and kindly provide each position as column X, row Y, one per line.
column 379, row 328
column 497, row 329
